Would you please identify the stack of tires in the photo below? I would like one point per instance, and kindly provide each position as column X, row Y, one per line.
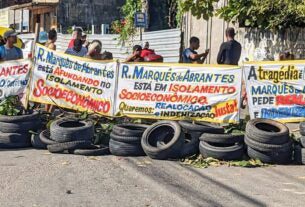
column 73, row 136
column 194, row 130
column 15, row 130
column 268, row 141
column 222, row 146
column 299, row 152
column 125, row 140
column 172, row 140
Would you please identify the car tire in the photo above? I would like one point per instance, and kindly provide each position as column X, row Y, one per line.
column 129, row 130
column 125, row 139
column 93, row 151
column 67, row 130
column 15, row 140
column 45, row 137
column 19, row 127
column 173, row 142
column 203, row 127
column 21, row 118
column 267, row 131
column 228, row 152
column 36, row 142
column 267, row 147
column 272, row 157
column 125, row 149
column 221, row 138
column 61, row 147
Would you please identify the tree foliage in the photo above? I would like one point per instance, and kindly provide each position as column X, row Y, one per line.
column 199, row 8
column 125, row 27
column 267, row 14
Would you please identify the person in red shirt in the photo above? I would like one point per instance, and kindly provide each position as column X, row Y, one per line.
column 149, row 55
column 77, row 34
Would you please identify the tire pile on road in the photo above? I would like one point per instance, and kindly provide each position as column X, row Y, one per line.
column 73, row 136
column 15, row 130
column 172, row 140
column 268, row 141
column 125, row 140
column 222, row 146
column 299, row 151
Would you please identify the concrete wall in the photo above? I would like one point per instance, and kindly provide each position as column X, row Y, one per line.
column 4, row 17
column 256, row 45
column 87, row 12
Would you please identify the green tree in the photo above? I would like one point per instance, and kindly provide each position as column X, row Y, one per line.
column 267, row 14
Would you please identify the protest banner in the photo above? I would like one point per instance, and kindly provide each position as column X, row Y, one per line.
column 14, row 78
column 179, row 92
column 72, row 82
column 276, row 90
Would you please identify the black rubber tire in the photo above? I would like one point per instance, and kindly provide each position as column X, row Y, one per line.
column 45, row 137
column 267, row 131
column 94, row 151
column 125, row 149
column 190, row 146
column 267, row 147
column 129, row 130
column 22, row 118
column 61, row 134
column 125, row 139
column 19, row 126
column 203, row 127
column 221, row 138
column 298, row 154
column 36, row 142
column 153, row 134
column 233, row 152
column 15, row 140
column 272, row 157
column 302, row 141
column 302, row 128
column 61, row 147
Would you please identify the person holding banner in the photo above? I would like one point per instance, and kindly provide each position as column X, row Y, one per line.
column 78, row 49
column 136, row 55
column 77, row 35
column 189, row 55
column 52, row 37
column 9, row 51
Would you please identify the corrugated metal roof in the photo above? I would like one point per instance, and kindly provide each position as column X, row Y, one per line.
column 165, row 42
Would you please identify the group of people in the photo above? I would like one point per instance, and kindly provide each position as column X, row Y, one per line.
column 78, row 46
column 229, row 52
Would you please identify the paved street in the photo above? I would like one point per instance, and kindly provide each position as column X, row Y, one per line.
column 36, row 178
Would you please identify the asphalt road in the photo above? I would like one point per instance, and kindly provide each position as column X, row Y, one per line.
column 33, row 178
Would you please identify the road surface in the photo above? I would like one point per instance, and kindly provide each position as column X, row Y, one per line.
column 35, row 178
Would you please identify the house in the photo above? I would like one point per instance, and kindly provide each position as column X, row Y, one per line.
column 60, row 14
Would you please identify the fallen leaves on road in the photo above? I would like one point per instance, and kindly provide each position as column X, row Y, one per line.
column 66, row 163
column 201, row 162
column 93, row 158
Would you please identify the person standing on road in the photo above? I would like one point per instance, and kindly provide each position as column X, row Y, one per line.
column 9, row 51
column 189, row 55
column 52, row 37
column 230, row 51
column 77, row 35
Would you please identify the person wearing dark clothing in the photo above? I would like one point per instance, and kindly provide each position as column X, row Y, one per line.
column 230, row 51
column 189, row 55
column 136, row 54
